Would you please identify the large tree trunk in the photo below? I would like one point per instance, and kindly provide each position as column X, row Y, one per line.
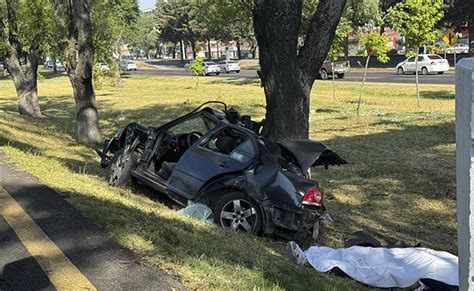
column 209, row 49
column 26, row 84
column 24, row 76
column 193, row 48
column 286, row 94
column 76, row 39
column 471, row 32
column 181, row 48
column 239, row 55
column 287, row 76
column 87, row 121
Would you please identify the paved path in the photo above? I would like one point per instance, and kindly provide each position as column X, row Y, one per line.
column 374, row 77
column 46, row 244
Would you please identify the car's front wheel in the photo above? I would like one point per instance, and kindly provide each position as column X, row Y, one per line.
column 424, row 71
column 236, row 211
column 121, row 167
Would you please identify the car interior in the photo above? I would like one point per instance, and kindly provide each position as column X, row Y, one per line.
column 179, row 138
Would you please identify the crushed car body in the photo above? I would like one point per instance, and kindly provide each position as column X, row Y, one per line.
column 218, row 158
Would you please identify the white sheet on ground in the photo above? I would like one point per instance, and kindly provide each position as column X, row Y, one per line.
column 387, row 267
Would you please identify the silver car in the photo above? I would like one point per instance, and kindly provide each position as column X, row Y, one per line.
column 427, row 64
column 229, row 66
column 459, row 48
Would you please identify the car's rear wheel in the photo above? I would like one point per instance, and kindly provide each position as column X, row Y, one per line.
column 217, row 74
column 341, row 75
column 400, row 71
column 238, row 71
column 424, row 71
column 324, row 74
column 121, row 167
column 236, row 211
column 440, row 73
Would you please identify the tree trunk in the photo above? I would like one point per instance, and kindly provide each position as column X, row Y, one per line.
column 288, row 73
column 181, row 49
column 87, row 121
column 174, row 51
column 209, row 49
column 25, row 79
column 363, row 83
column 193, row 48
column 76, row 39
column 239, row 55
column 333, row 82
column 417, row 83
column 470, row 26
column 218, row 53
column 24, row 76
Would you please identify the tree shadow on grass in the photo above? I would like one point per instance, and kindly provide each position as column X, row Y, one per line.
column 402, row 180
column 443, row 95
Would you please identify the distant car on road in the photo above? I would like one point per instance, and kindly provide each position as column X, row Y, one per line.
column 209, row 68
column 104, row 67
column 427, row 64
column 128, row 66
column 340, row 69
column 50, row 64
column 459, row 48
column 229, row 66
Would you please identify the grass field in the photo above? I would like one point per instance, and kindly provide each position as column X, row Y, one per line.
column 399, row 183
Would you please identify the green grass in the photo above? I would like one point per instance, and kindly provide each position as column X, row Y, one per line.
column 399, row 183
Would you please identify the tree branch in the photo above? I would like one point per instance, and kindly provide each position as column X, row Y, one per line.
column 319, row 37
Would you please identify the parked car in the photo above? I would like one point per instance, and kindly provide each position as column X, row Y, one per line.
column 50, row 64
column 459, row 48
column 427, row 64
column 229, row 66
column 209, row 68
column 340, row 69
column 218, row 158
column 104, row 67
column 128, row 66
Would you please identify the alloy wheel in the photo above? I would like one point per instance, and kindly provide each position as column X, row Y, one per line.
column 238, row 214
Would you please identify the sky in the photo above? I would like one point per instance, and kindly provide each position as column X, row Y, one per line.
column 146, row 4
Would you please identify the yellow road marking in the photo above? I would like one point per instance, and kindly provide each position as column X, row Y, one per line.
column 60, row 270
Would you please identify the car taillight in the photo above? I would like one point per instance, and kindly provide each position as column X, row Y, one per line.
column 313, row 196
column 433, row 63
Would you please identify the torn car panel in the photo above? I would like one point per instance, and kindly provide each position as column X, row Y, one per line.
column 311, row 153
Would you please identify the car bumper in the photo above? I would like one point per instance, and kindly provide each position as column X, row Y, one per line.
column 213, row 70
column 289, row 224
column 341, row 70
column 442, row 68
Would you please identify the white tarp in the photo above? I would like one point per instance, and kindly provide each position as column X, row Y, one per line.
column 387, row 267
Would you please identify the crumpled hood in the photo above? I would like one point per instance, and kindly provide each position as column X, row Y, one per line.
column 311, row 153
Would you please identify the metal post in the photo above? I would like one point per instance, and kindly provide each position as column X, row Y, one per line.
column 465, row 171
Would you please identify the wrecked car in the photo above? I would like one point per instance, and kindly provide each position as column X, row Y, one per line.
column 219, row 158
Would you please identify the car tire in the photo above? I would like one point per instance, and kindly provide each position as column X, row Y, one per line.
column 341, row 75
column 120, row 168
column 207, row 74
column 238, row 71
column 227, row 72
column 217, row 74
column 424, row 71
column 400, row 71
column 440, row 73
column 233, row 211
column 324, row 74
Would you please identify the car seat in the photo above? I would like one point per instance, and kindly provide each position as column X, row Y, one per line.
column 225, row 144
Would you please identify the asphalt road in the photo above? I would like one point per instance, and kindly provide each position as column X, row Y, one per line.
column 46, row 244
column 376, row 77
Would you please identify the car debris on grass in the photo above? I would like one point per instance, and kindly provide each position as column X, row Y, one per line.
column 220, row 159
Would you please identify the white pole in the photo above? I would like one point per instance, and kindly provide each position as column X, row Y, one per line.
column 465, row 171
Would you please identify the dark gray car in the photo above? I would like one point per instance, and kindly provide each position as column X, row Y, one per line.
column 339, row 68
column 219, row 159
